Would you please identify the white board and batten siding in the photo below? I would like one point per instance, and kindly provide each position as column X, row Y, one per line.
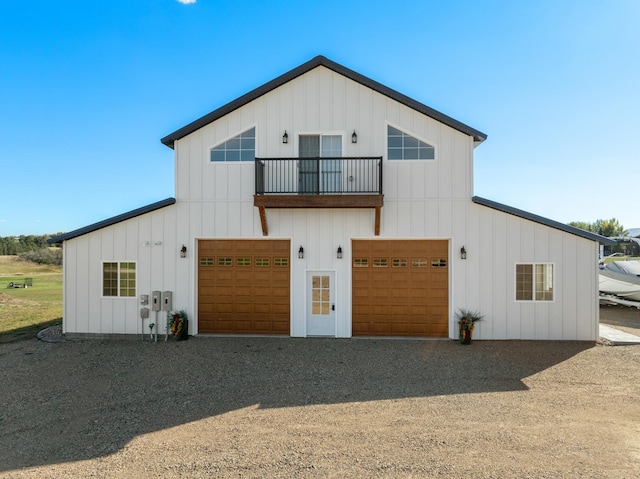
column 220, row 196
column 158, row 268
column 495, row 243
column 322, row 101
column 422, row 200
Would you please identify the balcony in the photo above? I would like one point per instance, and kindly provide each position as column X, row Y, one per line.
column 345, row 182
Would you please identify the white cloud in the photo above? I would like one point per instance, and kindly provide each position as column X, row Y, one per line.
column 187, row 2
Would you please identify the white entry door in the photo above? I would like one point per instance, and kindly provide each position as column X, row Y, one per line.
column 321, row 305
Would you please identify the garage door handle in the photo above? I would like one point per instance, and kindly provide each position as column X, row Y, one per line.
column 333, row 307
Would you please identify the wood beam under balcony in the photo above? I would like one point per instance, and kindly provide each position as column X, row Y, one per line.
column 263, row 221
column 262, row 202
column 318, row 201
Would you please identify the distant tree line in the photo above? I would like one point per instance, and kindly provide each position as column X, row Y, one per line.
column 608, row 228
column 31, row 248
column 14, row 245
column 611, row 228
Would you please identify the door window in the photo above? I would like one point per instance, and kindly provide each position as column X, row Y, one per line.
column 320, row 295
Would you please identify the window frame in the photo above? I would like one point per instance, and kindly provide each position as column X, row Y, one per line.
column 118, row 279
column 327, row 175
column 431, row 143
column 240, row 160
column 321, row 134
column 534, row 283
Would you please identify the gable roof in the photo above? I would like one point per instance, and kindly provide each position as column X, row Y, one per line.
column 541, row 220
column 320, row 60
column 111, row 221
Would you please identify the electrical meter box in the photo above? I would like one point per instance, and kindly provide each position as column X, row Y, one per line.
column 156, row 301
column 144, row 299
column 167, row 301
column 144, row 313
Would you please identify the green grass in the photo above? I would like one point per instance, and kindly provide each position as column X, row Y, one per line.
column 25, row 311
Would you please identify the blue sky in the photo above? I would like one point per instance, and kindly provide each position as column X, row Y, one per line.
column 87, row 89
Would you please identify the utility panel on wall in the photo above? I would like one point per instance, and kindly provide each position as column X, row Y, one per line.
column 167, row 301
column 156, row 301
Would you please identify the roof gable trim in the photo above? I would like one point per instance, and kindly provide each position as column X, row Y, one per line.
column 541, row 220
column 320, row 60
column 111, row 221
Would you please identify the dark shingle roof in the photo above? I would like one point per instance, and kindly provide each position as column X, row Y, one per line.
column 111, row 221
column 304, row 68
column 543, row 221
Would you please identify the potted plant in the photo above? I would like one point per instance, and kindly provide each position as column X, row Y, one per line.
column 179, row 325
column 466, row 323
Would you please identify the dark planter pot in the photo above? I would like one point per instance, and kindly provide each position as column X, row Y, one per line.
column 180, row 330
column 465, row 335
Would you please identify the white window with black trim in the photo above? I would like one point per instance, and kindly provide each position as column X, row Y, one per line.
column 534, row 281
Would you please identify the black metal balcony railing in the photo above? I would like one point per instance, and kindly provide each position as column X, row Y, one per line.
column 319, row 176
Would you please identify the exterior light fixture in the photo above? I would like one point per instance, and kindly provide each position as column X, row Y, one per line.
column 183, row 251
column 301, row 252
column 285, row 137
column 463, row 253
column 354, row 137
column 339, row 254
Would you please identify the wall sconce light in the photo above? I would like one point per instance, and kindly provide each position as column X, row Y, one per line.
column 145, row 243
column 157, row 242
column 339, row 252
column 183, row 251
column 354, row 137
column 285, row 137
column 301, row 252
column 463, row 253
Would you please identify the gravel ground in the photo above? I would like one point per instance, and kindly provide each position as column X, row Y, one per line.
column 319, row 408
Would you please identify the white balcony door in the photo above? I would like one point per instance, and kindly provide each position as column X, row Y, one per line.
column 318, row 175
column 331, row 147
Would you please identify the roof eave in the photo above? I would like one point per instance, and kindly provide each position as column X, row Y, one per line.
column 315, row 62
column 111, row 221
column 542, row 220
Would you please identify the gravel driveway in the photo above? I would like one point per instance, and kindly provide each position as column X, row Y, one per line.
column 321, row 408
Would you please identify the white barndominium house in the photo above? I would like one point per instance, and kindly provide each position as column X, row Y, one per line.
column 323, row 203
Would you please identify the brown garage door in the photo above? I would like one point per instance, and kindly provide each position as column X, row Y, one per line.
column 400, row 288
column 243, row 286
